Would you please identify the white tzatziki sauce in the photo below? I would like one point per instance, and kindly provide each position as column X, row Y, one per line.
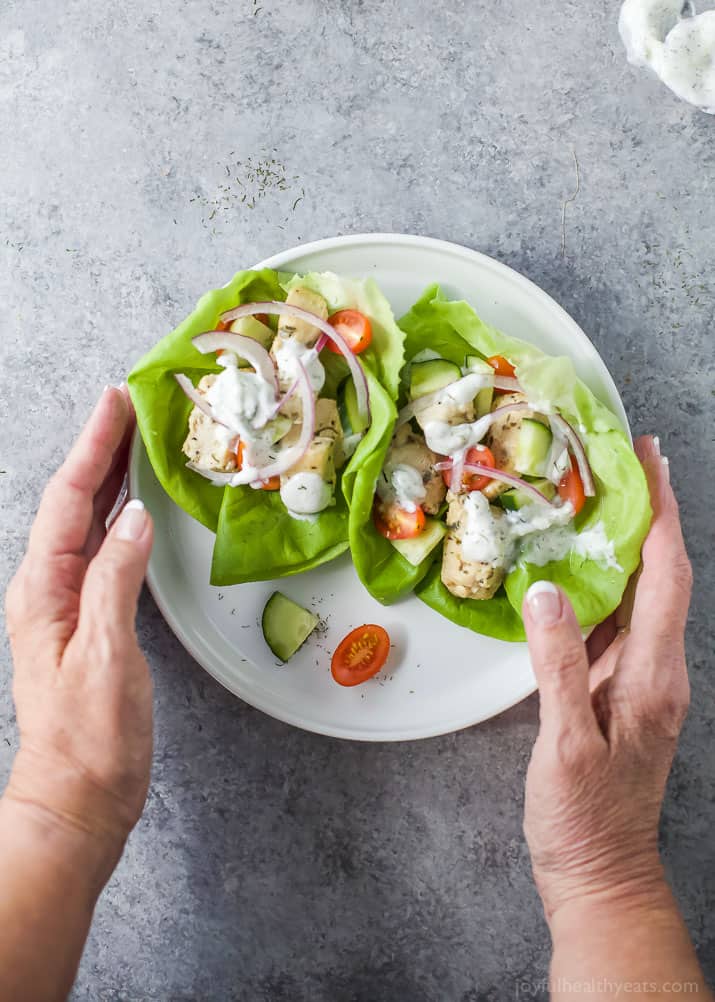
column 305, row 494
column 289, row 353
column 463, row 391
column 242, row 400
column 533, row 534
column 448, row 439
column 541, row 548
column 403, row 485
column 485, row 539
column 680, row 50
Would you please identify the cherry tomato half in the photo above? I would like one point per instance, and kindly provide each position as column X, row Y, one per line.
column 394, row 522
column 473, row 481
column 502, row 366
column 355, row 327
column 360, row 655
column 571, row 488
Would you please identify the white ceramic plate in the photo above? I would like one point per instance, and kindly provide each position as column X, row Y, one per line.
column 439, row 677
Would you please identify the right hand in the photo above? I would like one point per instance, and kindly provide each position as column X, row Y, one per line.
column 609, row 728
column 82, row 688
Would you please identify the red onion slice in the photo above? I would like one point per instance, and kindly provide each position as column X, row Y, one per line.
column 284, row 310
column 279, row 403
column 216, row 478
column 523, row 406
column 195, row 397
column 584, row 467
column 507, row 383
column 244, row 347
column 507, row 478
column 458, row 466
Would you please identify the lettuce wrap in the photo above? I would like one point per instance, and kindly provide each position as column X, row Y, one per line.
column 453, row 331
column 256, row 537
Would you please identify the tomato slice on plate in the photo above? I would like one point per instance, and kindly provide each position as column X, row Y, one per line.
column 360, row 655
column 355, row 327
column 571, row 488
column 502, row 366
column 394, row 522
column 473, row 481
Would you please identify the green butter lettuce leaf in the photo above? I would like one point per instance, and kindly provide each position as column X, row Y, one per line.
column 256, row 538
column 496, row 618
column 163, row 409
column 622, row 502
column 385, row 573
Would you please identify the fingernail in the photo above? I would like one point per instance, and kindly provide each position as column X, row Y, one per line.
column 544, row 601
column 666, row 467
column 656, row 445
column 130, row 524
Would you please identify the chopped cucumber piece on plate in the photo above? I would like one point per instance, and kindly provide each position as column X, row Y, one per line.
column 435, row 374
column 286, row 625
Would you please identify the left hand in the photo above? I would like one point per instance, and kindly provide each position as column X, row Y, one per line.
column 82, row 688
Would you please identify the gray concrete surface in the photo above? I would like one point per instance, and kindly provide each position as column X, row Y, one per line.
column 272, row 864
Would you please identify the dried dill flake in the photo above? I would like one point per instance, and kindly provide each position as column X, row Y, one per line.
column 244, row 183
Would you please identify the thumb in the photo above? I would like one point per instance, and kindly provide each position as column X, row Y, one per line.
column 115, row 576
column 559, row 659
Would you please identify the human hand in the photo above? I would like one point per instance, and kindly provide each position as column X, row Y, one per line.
column 611, row 712
column 82, row 688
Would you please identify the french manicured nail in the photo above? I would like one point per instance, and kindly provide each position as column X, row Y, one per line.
column 656, row 445
column 544, row 601
column 131, row 523
column 666, row 467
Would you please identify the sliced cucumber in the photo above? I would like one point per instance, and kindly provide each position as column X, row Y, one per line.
column 250, row 327
column 350, row 418
column 532, row 448
column 435, row 374
column 483, row 399
column 515, row 498
column 286, row 625
column 415, row 550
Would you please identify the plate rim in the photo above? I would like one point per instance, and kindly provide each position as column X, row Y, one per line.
column 137, row 448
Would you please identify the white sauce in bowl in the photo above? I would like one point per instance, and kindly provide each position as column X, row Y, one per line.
column 680, row 50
